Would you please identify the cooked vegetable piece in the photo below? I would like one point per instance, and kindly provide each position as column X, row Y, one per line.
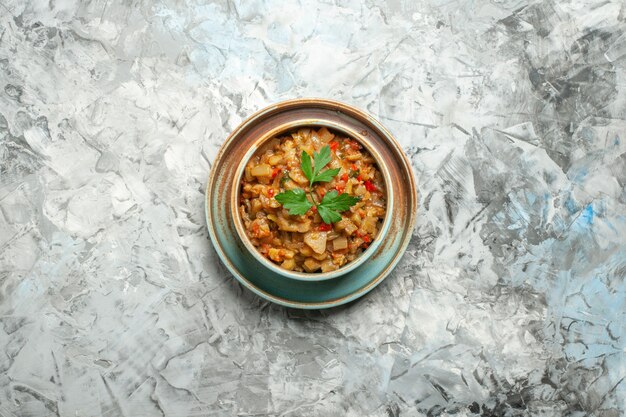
column 311, row 265
column 316, row 240
column 262, row 170
column 340, row 243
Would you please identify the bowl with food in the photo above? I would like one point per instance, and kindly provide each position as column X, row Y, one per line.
column 310, row 203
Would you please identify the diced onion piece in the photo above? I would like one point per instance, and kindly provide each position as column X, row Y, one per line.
column 311, row 265
column 247, row 174
column 341, row 224
column 350, row 228
column 287, row 225
column 340, row 243
column 256, row 207
column 346, row 225
column 328, row 266
column 275, row 159
column 369, row 225
column 273, row 203
column 332, row 235
column 339, row 259
column 320, row 256
column 316, row 241
column 289, row 264
column 261, row 170
column 349, row 186
column 304, row 226
column 298, row 176
column 279, row 255
column 274, row 254
column 325, row 135
column 306, row 251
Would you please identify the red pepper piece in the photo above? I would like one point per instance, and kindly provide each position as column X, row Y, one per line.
column 369, row 186
column 333, row 145
column 325, row 227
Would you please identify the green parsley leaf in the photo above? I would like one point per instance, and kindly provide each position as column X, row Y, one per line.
column 327, row 175
column 328, row 216
column 341, row 202
column 333, row 203
column 311, row 169
column 321, row 159
column 295, row 201
column 306, row 166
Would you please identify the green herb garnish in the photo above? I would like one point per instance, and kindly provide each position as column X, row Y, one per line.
column 295, row 201
column 312, row 171
column 332, row 204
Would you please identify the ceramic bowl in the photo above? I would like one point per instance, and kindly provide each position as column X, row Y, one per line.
column 281, row 129
column 309, row 290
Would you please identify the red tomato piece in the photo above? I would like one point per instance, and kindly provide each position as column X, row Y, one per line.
column 369, row 186
column 270, row 193
column 344, row 178
column 325, row 227
column 275, row 172
column 333, row 145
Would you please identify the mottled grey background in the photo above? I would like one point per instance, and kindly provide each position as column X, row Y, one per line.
column 510, row 300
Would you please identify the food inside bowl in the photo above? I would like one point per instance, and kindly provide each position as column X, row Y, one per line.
column 312, row 201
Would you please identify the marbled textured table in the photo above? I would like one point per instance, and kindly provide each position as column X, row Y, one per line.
column 509, row 301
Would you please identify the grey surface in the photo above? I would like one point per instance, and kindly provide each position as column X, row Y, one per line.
column 509, row 301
